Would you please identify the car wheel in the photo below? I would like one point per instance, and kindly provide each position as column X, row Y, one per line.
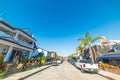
column 97, row 71
column 82, row 70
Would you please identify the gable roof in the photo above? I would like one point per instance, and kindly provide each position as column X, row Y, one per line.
column 27, row 30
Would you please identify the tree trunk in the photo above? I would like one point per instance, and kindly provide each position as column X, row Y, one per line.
column 91, row 55
column 81, row 57
column 95, row 54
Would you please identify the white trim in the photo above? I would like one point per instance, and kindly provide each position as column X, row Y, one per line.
column 13, row 45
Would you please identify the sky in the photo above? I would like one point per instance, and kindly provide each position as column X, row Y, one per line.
column 57, row 24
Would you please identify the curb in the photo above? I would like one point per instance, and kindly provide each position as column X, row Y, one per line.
column 22, row 78
column 107, row 77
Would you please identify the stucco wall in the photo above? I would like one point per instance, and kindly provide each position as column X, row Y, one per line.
column 3, row 47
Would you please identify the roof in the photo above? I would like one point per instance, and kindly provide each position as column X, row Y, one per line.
column 3, row 22
column 27, row 30
column 111, row 56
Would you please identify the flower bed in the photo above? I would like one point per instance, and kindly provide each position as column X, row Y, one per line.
column 3, row 65
column 109, row 68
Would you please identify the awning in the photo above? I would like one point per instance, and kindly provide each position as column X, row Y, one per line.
column 110, row 56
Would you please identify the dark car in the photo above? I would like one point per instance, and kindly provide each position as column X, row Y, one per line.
column 73, row 60
column 54, row 63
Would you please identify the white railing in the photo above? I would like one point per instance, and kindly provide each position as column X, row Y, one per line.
column 4, row 35
column 24, row 43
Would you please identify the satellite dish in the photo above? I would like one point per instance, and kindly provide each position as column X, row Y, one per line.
column 40, row 50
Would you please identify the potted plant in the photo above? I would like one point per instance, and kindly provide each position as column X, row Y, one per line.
column 24, row 61
column 39, row 61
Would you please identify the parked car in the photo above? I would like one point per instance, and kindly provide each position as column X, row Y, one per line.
column 86, row 65
column 54, row 63
column 72, row 61
column 59, row 61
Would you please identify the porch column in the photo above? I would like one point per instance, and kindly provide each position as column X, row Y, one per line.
column 7, row 57
column 30, row 54
column 33, row 44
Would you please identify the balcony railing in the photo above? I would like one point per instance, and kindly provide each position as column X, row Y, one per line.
column 4, row 35
column 24, row 43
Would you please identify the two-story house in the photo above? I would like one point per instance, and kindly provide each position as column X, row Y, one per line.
column 15, row 41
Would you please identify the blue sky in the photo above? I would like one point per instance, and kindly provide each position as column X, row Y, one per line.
column 57, row 24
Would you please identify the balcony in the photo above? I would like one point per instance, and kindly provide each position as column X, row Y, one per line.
column 7, row 36
column 24, row 43
column 3, row 35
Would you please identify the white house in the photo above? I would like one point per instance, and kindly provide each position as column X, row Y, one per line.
column 44, row 52
column 15, row 41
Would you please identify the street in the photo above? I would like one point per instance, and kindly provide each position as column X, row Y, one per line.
column 64, row 71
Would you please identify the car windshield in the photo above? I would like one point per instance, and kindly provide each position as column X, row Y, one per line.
column 83, row 61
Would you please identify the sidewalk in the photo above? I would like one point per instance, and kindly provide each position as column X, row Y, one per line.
column 25, row 74
column 109, row 75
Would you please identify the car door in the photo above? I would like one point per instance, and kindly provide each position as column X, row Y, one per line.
column 77, row 63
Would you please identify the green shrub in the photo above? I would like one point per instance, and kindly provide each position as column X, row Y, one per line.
column 43, row 61
column 48, row 59
column 2, row 75
column 1, row 62
column 57, row 57
column 39, row 59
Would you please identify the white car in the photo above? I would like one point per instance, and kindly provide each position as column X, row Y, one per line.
column 59, row 61
column 86, row 65
column 54, row 63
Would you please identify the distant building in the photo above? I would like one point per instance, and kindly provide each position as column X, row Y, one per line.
column 46, row 53
column 105, row 47
column 40, row 52
column 15, row 41
column 53, row 54
column 77, row 54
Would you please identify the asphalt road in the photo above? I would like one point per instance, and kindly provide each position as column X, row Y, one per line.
column 64, row 71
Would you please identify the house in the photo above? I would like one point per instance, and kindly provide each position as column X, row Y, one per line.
column 46, row 53
column 111, row 58
column 53, row 54
column 42, row 52
column 15, row 42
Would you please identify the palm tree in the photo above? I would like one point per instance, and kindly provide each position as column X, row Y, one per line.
column 88, row 41
column 80, row 48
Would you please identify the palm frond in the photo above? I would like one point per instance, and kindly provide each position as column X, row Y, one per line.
column 88, row 37
column 81, row 39
column 80, row 48
column 85, row 42
column 82, row 43
column 77, row 49
column 96, row 38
